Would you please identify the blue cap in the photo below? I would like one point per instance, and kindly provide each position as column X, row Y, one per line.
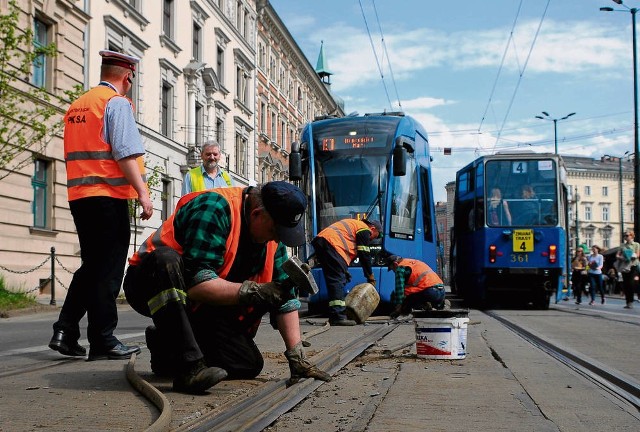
column 286, row 204
column 374, row 223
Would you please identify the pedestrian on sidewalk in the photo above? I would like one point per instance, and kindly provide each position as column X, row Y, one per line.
column 417, row 286
column 627, row 260
column 103, row 152
column 579, row 266
column 209, row 274
column 596, row 261
column 336, row 247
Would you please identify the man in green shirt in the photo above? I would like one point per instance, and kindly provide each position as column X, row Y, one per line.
column 209, row 274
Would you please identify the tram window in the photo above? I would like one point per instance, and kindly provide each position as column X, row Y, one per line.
column 426, row 204
column 404, row 203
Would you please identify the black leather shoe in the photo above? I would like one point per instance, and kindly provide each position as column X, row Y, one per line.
column 118, row 352
column 64, row 345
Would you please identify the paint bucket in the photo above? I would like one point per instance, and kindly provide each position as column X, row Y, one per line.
column 361, row 301
column 441, row 334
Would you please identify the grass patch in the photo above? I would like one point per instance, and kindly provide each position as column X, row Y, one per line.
column 14, row 300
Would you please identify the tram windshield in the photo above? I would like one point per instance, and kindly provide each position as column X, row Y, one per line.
column 521, row 193
column 348, row 184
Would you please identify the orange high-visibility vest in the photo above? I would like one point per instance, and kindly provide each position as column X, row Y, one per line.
column 421, row 278
column 91, row 169
column 165, row 236
column 342, row 236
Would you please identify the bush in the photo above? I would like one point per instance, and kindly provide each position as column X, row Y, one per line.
column 14, row 300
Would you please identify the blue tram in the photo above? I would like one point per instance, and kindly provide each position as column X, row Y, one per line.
column 375, row 166
column 509, row 239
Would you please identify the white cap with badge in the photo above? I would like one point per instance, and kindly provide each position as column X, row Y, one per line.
column 118, row 59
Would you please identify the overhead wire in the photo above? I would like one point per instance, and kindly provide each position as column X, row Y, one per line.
column 384, row 47
column 375, row 55
column 504, row 56
column 515, row 91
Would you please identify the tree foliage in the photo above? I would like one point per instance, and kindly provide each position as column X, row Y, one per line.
column 29, row 115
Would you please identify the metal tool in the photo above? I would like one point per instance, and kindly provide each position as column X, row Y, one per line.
column 300, row 276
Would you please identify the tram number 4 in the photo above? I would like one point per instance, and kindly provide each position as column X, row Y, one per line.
column 523, row 240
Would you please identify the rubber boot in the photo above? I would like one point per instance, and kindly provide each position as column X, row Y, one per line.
column 300, row 367
column 196, row 377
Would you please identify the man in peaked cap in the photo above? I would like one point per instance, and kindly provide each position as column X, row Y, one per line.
column 103, row 151
column 209, row 274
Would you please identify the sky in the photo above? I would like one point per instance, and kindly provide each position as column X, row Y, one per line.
column 476, row 73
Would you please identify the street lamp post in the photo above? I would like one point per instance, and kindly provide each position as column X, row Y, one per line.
column 577, row 198
column 620, row 191
column 555, row 125
column 636, row 143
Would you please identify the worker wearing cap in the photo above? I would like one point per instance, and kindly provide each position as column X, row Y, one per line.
column 336, row 247
column 103, row 152
column 209, row 274
column 416, row 285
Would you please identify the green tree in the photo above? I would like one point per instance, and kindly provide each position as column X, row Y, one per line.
column 30, row 116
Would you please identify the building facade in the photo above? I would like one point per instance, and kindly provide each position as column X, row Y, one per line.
column 601, row 207
column 289, row 94
column 197, row 80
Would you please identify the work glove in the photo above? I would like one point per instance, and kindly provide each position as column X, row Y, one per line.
column 253, row 293
column 300, row 367
column 372, row 281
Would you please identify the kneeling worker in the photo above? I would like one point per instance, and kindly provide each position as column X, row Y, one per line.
column 416, row 284
column 336, row 246
column 208, row 275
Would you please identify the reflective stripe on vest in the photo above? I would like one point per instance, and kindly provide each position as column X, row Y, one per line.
column 197, row 179
column 342, row 236
column 422, row 276
column 165, row 236
column 91, row 169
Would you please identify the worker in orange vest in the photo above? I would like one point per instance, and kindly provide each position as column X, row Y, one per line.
column 336, row 247
column 416, row 284
column 209, row 274
column 103, row 151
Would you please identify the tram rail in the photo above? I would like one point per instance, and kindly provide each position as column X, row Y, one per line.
column 274, row 398
column 617, row 383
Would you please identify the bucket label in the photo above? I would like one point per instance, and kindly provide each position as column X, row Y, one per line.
column 433, row 341
column 441, row 338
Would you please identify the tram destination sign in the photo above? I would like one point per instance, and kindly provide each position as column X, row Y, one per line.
column 352, row 141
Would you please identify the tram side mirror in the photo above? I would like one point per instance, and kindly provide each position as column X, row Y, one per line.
column 399, row 160
column 295, row 162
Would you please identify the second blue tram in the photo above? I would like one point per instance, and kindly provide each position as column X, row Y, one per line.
column 509, row 239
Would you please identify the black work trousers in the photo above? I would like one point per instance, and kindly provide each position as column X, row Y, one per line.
column 335, row 276
column 629, row 283
column 161, row 271
column 103, row 230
